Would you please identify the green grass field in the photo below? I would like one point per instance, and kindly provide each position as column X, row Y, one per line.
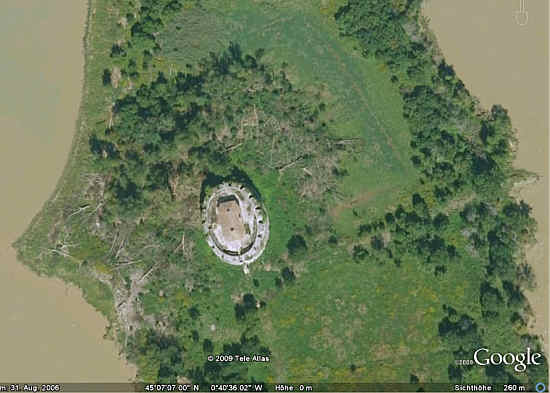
column 361, row 99
column 365, row 314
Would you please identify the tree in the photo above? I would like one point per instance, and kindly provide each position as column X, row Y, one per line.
column 288, row 275
column 491, row 300
column 377, row 242
column 207, row 346
column 159, row 356
column 106, row 77
column 247, row 306
column 359, row 253
column 230, row 372
column 194, row 312
column 441, row 221
column 296, row 246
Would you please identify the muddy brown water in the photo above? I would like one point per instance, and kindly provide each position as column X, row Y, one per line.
column 505, row 62
column 48, row 332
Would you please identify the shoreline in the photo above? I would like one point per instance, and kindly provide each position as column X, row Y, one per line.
column 46, row 314
column 66, row 182
column 78, row 131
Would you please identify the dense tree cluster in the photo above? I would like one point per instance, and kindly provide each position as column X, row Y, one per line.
column 144, row 25
column 454, row 146
column 249, row 305
column 234, row 113
column 460, row 152
column 230, row 372
column 161, row 358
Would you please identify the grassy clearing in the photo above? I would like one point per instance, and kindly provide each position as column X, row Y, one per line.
column 364, row 314
column 362, row 101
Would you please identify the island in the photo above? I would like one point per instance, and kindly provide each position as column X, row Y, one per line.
column 329, row 150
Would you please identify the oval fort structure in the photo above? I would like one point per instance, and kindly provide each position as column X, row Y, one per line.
column 235, row 224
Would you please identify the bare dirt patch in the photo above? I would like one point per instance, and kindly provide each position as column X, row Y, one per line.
column 116, row 75
column 228, row 216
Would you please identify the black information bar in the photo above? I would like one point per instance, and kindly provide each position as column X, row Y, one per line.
column 263, row 387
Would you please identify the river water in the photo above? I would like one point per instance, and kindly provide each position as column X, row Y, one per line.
column 505, row 62
column 48, row 332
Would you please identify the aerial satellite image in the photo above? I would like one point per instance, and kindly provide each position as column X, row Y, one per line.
column 274, row 195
